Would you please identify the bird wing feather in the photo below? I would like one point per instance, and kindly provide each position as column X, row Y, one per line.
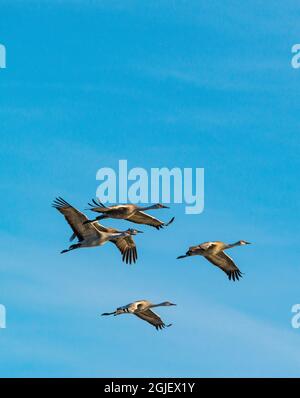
column 225, row 263
column 127, row 247
column 206, row 245
column 76, row 220
column 140, row 217
column 117, row 209
column 100, row 209
column 201, row 247
column 152, row 318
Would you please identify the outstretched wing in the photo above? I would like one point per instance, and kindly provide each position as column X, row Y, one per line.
column 140, row 217
column 126, row 245
column 99, row 207
column 206, row 245
column 76, row 220
column 226, row 264
column 152, row 318
column 127, row 248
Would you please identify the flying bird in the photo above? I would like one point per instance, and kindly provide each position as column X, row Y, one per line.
column 214, row 253
column 129, row 212
column 94, row 234
column 142, row 309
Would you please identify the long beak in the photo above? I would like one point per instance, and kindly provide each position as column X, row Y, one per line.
column 248, row 243
column 165, row 207
column 139, row 232
column 173, row 304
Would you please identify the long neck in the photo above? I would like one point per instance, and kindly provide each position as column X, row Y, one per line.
column 118, row 235
column 157, row 305
column 233, row 245
column 146, row 208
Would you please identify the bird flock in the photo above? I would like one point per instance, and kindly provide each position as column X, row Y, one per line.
column 90, row 233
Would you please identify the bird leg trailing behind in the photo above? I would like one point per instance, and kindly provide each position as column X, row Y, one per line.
column 109, row 313
column 185, row 255
column 72, row 247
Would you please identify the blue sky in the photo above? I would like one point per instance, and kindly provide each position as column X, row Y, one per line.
column 160, row 83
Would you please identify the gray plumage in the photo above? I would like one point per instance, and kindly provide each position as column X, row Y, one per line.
column 214, row 253
column 142, row 309
column 94, row 234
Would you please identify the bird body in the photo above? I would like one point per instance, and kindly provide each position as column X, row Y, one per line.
column 100, row 238
column 136, row 306
column 94, row 234
column 142, row 309
column 118, row 211
column 129, row 212
column 214, row 252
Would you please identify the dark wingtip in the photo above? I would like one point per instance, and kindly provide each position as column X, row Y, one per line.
column 162, row 326
column 169, row 222
column 59, row 202
column 235, row 275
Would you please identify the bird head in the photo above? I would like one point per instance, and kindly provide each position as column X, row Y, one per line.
column 168, row 303
column 132, row 231
column 243, row 242
column 160, row 206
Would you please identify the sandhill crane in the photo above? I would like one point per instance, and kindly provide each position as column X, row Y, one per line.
column 214, row 252
column 129, row 212
column 142, row 309
column 92, row 235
